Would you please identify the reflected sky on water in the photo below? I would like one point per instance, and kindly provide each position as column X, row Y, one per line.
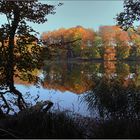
column 78, row 86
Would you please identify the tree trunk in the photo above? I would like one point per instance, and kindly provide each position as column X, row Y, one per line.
column 10, row 71
column 10, row 58
column 11, row 64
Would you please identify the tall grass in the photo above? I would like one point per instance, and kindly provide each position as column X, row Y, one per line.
column 40, row 125
column 62, row 125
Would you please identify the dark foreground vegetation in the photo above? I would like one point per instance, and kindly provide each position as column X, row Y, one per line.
column 63, row 125
column 40, row 125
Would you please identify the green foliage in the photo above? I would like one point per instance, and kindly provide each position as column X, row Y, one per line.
column 98, row 43
column 90, row 53
column 76, row 47
column 94, row 52
column 122, row 52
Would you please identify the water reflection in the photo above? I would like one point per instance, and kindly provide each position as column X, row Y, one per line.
column 111, row 98
column 108, row 89
column 81, row 77
column 72, row 77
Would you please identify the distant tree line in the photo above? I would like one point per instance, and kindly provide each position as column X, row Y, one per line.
column 109, row 43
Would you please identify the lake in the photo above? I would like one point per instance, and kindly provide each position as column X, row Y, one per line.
column 95, row 89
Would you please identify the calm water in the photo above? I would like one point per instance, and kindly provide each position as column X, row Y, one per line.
column 89, row 88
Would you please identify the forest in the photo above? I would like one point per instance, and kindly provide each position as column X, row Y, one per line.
column 46, row 92
column 108, row 43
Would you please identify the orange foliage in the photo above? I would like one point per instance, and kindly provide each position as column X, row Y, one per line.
column 78, row 89
column 111, row 35
column 87, row 35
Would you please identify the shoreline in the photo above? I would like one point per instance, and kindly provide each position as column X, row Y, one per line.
column 98, row 60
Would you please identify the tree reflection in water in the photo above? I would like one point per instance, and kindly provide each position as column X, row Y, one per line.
column 112, row 99
column 70, row 76
column 112, row 88
column 116, row 100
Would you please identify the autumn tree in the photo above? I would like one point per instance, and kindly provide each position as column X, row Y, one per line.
column 107, row 34
column 18, row 13
column 107, row 38
column 113, row 37
column 98, row 44
column 83, row 39
column 122, row 41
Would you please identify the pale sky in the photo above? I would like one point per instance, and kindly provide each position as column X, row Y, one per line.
column 90, row 14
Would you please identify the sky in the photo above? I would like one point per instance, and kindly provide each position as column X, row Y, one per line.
column 86, row 13
column 89, row 14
